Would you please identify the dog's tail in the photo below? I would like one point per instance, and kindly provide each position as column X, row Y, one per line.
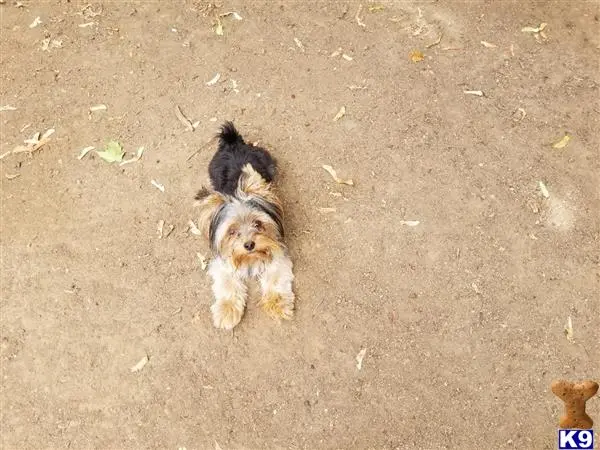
column 229, row 135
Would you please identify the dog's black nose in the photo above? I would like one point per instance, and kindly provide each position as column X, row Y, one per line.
column 249, row 245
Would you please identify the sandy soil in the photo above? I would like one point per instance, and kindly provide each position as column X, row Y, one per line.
column 462, row 316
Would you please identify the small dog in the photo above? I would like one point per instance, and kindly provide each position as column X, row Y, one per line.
column 243, row 221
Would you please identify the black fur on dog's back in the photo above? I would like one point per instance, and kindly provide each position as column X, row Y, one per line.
column 232, row 155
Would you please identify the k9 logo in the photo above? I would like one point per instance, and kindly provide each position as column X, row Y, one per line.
column 575, row 439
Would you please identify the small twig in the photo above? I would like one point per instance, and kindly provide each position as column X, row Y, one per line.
column 201, row 148
column 436, row 42
column 171, row 228
column 317, row 305
column 586, row 351
column 357, row 17
column 184, row 120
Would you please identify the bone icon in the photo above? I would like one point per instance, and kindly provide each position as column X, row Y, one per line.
column 575, row 395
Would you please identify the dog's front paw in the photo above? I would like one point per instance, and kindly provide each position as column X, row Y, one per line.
column 278, row 306
column 226, row 314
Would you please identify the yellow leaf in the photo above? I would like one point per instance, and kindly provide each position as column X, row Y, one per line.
column 416, row 56
column 563, row 142
column 218, row 28
column 341, row 113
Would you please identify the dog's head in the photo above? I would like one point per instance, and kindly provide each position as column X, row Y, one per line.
column 246, row 227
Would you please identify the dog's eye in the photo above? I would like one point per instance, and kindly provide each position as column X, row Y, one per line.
column 258, row 224
column 232, row 231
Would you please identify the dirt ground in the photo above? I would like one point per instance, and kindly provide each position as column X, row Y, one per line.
column 462, row 315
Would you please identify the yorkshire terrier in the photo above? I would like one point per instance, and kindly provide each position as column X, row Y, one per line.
column 243, row 220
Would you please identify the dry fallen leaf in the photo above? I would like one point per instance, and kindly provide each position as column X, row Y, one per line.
column 12, row 176
column 159, row 228
column 218, row 27
column 157, row 185
column 214, row 80
column 47, row 134
column 234, row 14
column 569, row 329
column 85, row 151
column 193, row 228
column 563, row 142
column 543, row 189
column 183, row 119
column 410, row 223
column 347, row 57
column 488, row 44
column 98, row 108
column 341, row 113
column 36, row 142
column 534, row 29
column 337, row 179
column 478, row 93
column 360, row 357
column 35, row 22
column 138, row 155
column 48, row 43
column 34, row 139
column 416, row 56
column 140, row 365
column 299, row 44
column 202, row 260
column 19, row 149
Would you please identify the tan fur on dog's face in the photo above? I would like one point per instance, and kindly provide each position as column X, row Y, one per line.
column 246, row 228
column 250, row 227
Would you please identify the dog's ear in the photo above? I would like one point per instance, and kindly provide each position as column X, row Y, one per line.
column 210, row 203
